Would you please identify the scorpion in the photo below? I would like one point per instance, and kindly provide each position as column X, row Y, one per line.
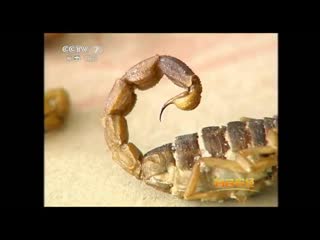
column 244, row 149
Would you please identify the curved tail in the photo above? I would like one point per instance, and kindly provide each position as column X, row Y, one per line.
column 122, row 98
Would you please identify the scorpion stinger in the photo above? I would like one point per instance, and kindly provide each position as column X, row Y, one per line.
column 172, row 101
column 187, row 100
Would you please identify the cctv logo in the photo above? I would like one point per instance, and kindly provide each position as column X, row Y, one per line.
column 74, row 51
column 82, row 49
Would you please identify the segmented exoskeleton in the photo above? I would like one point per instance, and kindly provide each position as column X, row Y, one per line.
column 245, row 149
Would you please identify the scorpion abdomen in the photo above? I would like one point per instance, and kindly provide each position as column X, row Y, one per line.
column 214, row 141
column 217, row 141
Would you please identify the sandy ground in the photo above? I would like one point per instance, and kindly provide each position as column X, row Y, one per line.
column 239, row 78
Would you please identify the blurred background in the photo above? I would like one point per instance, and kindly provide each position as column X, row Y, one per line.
column 239, row 78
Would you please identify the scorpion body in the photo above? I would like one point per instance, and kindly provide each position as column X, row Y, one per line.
column 245, row 149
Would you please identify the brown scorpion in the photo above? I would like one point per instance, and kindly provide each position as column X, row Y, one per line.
column 245, row 149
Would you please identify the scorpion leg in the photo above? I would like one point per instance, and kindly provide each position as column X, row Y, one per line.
column 262, row 156
column 234, row 166
column 191, row 194
column 193, row 182
column 250, row 160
